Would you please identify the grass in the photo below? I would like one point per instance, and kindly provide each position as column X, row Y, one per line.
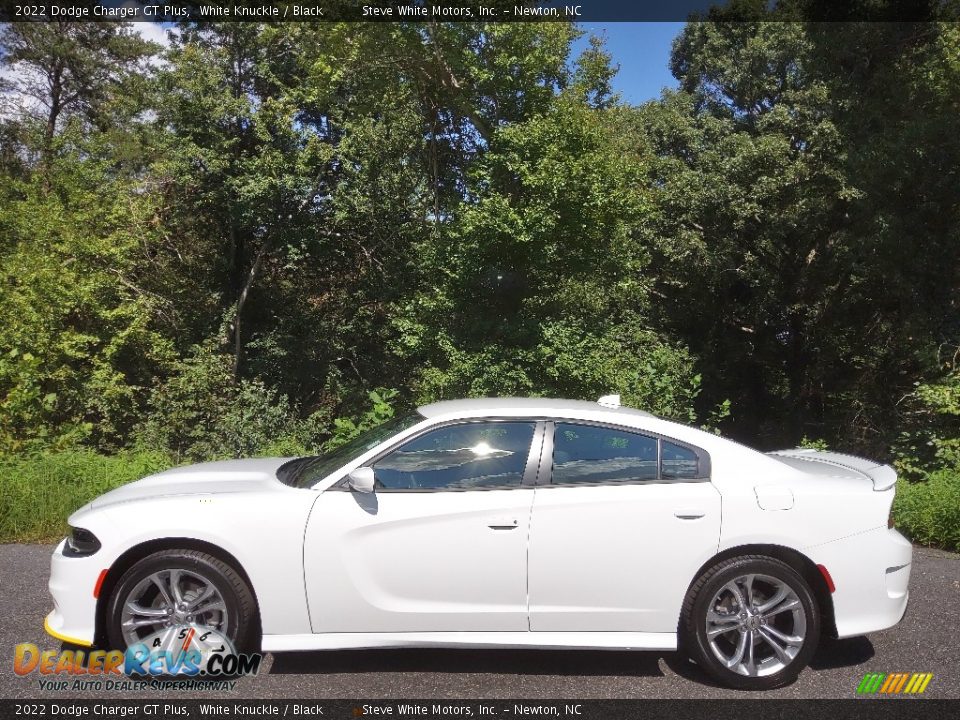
column 40, row 492
column 928, row 512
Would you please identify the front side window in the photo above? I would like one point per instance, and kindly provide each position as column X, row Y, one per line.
column 459, row 457
column 590, row 454
column 306, row 471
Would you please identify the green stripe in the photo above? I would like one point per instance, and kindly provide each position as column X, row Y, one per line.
column 871, row 682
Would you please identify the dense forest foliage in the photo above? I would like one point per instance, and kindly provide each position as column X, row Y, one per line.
column 263, row 238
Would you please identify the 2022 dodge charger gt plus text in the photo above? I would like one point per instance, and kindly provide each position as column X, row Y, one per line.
column 499, row 523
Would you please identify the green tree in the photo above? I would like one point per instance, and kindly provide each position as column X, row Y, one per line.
column 293, row 184
column 538, row 285
column 67, row 71
column 77, row 340
column 778, row 212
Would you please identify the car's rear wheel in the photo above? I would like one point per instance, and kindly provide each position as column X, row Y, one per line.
column 171, row 589
column 751, row 622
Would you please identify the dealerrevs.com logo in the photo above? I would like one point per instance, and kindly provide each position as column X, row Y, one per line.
column 196, row 656
column 899, row 683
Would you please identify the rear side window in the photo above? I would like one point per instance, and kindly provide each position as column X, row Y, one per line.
column 678, row 463
column 593, row 454
column 590, row 454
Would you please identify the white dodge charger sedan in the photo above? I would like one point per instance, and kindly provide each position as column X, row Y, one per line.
column 500, row 522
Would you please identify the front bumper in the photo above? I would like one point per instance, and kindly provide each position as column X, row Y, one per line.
column 72, row 584
column 871, row 572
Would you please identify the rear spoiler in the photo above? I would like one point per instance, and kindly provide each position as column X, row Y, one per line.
column 883, row 476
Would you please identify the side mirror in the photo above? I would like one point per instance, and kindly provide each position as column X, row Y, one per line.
column 361, row 479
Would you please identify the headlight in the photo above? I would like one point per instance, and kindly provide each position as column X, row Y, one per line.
column 81, row 542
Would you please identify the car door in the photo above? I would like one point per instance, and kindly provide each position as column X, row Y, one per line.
column 441, row 543
column 619, row 528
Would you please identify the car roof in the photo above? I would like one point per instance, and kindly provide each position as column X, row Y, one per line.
column 547, row 407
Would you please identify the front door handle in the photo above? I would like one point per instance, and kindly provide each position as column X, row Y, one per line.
column 503, row 523
column 688, row 514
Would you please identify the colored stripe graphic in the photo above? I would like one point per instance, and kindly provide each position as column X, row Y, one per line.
column 871, row 682
column 894, row 683
column 890, row 682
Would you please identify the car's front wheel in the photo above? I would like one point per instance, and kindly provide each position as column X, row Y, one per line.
column 169, row 590
column 751, row 622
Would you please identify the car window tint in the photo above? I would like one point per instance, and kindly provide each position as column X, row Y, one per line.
column 678, row 462
column 459, row 457
column 588, row 454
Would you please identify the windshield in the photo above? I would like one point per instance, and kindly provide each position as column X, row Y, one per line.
column 305, row 471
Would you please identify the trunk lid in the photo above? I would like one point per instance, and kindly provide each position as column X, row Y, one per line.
column 838, row 465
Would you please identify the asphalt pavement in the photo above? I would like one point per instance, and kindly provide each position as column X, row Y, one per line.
column 925, row 641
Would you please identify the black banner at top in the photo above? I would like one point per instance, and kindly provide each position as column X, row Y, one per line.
column 474, row 11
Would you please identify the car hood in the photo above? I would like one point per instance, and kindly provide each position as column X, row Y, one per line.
column 228, row 476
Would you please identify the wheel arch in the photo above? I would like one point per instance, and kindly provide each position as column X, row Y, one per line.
column 795, row 559
column 138, row 552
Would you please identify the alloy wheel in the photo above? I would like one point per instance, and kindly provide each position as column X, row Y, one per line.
column 756, row 625
column 166, row 600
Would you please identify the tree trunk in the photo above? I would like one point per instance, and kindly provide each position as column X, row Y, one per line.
column 50, row 131
column 241, row 302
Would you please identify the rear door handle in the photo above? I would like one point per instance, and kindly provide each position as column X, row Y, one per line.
column 687, row 514
column 503, row 523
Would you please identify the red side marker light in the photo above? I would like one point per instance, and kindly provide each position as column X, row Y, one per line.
column 826, row 576
column 100, row 579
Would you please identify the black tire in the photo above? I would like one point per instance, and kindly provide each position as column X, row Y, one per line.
column 241, row 607
column 693, row 621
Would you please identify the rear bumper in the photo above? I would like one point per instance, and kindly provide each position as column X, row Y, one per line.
column 871, row 572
